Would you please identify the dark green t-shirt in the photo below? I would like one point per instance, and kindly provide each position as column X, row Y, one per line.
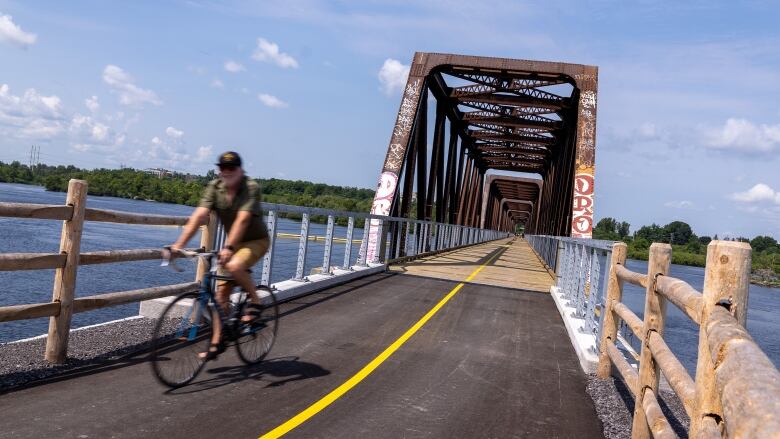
column 215, row 198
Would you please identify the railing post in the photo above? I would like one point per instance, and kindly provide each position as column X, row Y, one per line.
column 65, row 277
column 614, row 295
column 268, row 259
column 655, row 310
column 726, row 278
column 328, row 246
column 303, row 245
column 379, row 256
column 363, row 254
column 207, row 239
column 415, row 239
column 348, row 248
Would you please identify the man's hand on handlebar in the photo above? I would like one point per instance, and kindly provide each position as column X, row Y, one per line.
column 224, row 256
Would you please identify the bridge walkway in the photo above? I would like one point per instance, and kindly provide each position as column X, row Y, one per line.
column 491, row 361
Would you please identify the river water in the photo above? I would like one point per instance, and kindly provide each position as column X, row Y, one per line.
column 34, row 236
column 43, row 236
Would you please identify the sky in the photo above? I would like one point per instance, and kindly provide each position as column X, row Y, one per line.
column 688, row 117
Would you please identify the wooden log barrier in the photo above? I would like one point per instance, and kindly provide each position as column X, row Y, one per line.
column 655, row 310
column 614, row 295
column 631, row 277
column 31, row 261
column 65, row 277
column 726, row 277
column 745, row 378
column 29, row 311
column 651, row 412
column 36, row 211
column 631, row 319
column 122, row 297
column 681, row 294
column 627, row 372
column 113, row 216
column 674, row 371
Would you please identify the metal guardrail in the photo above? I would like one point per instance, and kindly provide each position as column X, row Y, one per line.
column 582, row 267
column 384, row 239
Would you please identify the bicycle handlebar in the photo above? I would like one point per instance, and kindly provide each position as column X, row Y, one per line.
column 169, row 256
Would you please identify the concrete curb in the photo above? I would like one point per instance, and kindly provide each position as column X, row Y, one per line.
column 584, row 344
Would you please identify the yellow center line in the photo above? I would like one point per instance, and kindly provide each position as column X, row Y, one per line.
column 339, row 391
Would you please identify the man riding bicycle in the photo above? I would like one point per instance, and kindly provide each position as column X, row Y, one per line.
column 236, row 200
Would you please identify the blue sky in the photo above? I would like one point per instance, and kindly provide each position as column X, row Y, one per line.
column 688, row 124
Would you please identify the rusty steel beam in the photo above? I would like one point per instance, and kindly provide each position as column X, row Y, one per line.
column 519, row 125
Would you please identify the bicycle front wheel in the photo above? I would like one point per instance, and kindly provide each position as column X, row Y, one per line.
column 256, row 338
column 182, row 332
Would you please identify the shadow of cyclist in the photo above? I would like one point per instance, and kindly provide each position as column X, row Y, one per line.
column 277, row 372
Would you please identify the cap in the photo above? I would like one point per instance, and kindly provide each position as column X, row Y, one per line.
column 229, row 158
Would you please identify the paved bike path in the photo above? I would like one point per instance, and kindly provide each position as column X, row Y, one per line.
column 493, row 362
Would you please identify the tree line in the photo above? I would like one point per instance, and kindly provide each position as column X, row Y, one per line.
column 688, row 247
column 186, row 189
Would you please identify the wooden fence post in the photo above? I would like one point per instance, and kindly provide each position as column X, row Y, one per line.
column 65, row 277
column 614, row 294
column 655, row 310
column 207, row 237
column 727, row 278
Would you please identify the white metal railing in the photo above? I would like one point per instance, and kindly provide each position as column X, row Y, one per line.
column 394, row 239
column 582, row 268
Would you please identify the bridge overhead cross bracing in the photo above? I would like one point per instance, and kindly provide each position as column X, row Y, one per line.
column 463, row 118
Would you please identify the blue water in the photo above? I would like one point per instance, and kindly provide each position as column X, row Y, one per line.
column 682, row 335
column 43, row 236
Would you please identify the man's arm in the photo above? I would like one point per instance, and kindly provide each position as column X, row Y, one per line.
column 197, row 219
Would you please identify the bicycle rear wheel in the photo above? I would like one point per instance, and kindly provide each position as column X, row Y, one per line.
column 181, row 333
column 255, row 339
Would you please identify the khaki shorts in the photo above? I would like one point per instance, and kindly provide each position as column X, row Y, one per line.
column 248, row 253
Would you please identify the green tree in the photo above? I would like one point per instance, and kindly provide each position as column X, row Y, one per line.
column 763, row 243
column 677, row 232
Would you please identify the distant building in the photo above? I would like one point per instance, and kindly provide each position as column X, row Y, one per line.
column 159, row 172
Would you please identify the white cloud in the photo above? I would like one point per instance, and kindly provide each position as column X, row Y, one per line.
column 204, row 153
column 758, row 193
column 13, row 34
column 267, row 51
column 234, row 67
column 217, row 83
column 173, row 154
column 92, row 103
column 30, row 115
column 87, row 134
column 392, row 76
column 684, row 204
column 741, row 135
column 174, row 133
column 272, row 101
column 129, row 93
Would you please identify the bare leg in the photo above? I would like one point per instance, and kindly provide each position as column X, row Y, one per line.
column 222, row 296
column 243, row 279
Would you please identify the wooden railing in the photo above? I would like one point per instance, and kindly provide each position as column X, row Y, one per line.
column 736, row 390
column 66, row 262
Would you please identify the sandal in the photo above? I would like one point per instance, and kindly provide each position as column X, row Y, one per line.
column 214, row 350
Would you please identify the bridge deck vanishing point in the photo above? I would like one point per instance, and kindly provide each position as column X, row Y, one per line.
column 493, row 360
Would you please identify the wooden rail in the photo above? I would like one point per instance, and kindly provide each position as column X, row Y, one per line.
column 736, row 391
column 66, row 262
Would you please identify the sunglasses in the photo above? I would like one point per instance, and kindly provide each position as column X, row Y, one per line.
column 227, row 167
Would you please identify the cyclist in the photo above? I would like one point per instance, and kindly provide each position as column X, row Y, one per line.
column 236, row 200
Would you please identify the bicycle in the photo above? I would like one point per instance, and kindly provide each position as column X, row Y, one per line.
column 183, row 330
